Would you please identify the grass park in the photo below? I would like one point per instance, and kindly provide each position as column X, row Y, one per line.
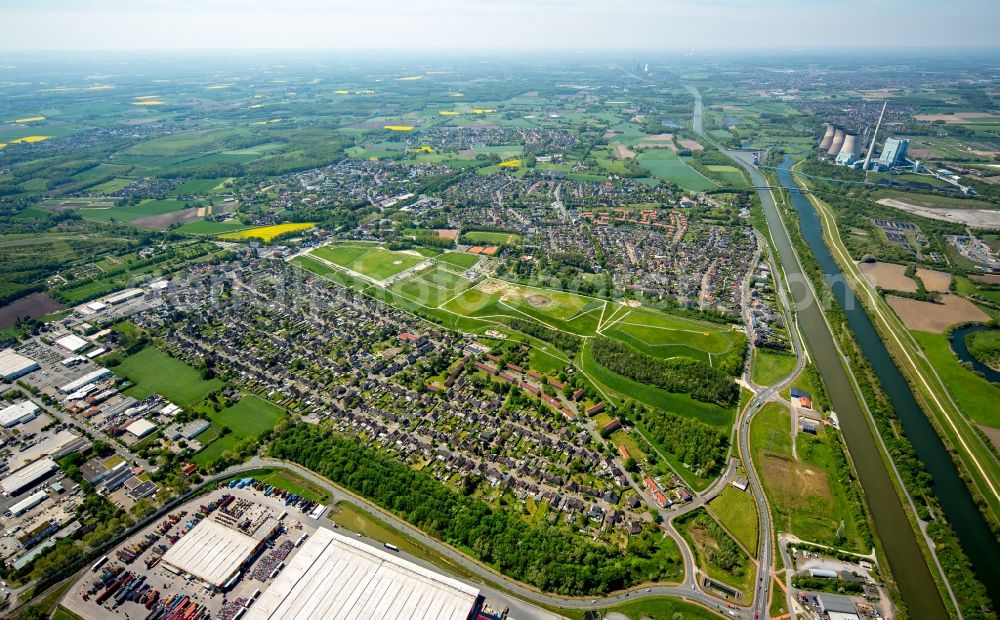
column 770, row 367
column 736, row 511
column 369, row 261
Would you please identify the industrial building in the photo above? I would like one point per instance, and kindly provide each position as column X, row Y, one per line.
column 90, row 377
column 27, row 476
column 140, row 428
column 333, row 576
column 838, row 607
column 123, row 296
column 212, row 552
column 14, row 365
column 27, row 503
column 18, row 414
column 894, row 152
column 72, row 343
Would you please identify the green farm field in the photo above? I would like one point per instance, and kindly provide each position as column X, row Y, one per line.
column 130, row 213
column 112, row 186
column 199, row 187
column 667, row 165
column 202, row 227
column 155, row 372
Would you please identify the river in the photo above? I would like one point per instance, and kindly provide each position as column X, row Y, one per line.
column 961, row 350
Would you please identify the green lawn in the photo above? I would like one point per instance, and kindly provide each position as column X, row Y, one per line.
column 112, row 186
column 770, row 367
column 707, row 539
column 155, row 372
column 975, row 396
column 213, row 451
column 250, row 417
column 200, row 187
column 737, row 512
column 288, row 481
column 665, row 164
column 652, row 608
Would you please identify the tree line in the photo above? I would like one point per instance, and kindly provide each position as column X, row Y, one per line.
column 545, row 556
column 702, row 447
column 680, row 374
column 565, row 341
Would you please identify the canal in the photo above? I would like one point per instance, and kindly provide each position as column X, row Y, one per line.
column 906, row 562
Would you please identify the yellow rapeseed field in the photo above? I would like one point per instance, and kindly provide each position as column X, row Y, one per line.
column 447, row 113
column 148, row 102
column 267, row 232
column 30, row 139
column 141, row 97
column 511, row 163
column 256, row 105
column 2, row 144
column 482, row 110
column 456, row 94
column 424, row 149
column 342, row 92
column 218, row 86
column 399, row 127
column 30, row 119
column 411, row 78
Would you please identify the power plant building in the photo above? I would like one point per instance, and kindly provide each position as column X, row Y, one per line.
column 894, row 152
column 827, row 140
column 333, row 576
column 838, row 142
column 850, row 150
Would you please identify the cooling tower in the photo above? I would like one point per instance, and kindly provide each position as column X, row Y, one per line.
column 851, row 146
column 827, row 140
column 838, row 141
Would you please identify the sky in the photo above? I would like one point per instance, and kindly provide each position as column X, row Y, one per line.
column 69, row 25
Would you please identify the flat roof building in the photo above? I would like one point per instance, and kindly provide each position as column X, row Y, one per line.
column 90, row 377
column 72, row 343
column 211, row 552
column 123, row 296
column 333, row 576
column 140, row 428
column 14, row 365
column 18, row 414
column 27, row 476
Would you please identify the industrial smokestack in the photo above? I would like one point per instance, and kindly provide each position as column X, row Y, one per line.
column 838, row 141
column 851, row 146
column 827, row 140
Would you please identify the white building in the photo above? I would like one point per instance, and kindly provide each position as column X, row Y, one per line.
column 18, row 414
column 27, row 476
column 14, row 365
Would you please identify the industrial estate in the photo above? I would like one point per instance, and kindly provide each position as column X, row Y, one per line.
column 293, row 338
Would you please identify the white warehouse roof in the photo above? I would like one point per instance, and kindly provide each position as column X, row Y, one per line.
column 27, row 476
column 18, row 414
column 333, row 577
column 140, row 428
column 211, row 552
column 72, row 343
column 90, row 377
column 13, row 365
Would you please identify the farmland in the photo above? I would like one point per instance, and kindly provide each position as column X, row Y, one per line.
column 267, row 233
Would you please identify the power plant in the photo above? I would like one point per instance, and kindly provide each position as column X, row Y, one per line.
column 838, row 141
column 850, row 150
column 824, row 144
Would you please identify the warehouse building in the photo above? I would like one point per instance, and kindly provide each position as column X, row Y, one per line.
column 838, row 607
column 333, row 576
column 126, row 295
column 212, row 552
column 14, row 365
column 27, row 476
column 27, row 503
column 72, row 343
column 18, row 414
column 88, row 378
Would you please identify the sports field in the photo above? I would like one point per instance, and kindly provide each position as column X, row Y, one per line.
column 155, row 372
column 368, row 260
column 491, row 238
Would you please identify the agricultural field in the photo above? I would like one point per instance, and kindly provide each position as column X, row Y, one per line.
column 203, row 227
column 145, row 214
column 667, row 165
column 112, row 186
column 267, row 233
column 201, row 187
column 369, row 261
column 155, row 372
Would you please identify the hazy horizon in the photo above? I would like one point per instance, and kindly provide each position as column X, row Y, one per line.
column 512, row 25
